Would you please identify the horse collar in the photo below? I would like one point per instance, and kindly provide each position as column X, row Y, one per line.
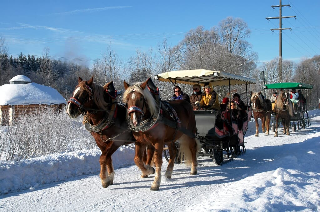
column 106, row 122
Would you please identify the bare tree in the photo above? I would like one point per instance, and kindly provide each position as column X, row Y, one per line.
column 308, row 71
column 108, row 68
column 141, row 66
column 169, row 58
column 233, row 32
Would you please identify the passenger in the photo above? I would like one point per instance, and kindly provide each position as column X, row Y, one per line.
column 294, row 98
column 274, row 97
column 238, row 101
column 196, row 97
column 224, row 104
column 179, row 95
column 273, row 100
column 210, row 99
column 223, row 125
column 302, row 101
column 237, row 104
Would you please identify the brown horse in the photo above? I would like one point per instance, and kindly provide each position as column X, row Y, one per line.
column 160, row 123
column 105, row 119
column 261, row 109
column 282, row 107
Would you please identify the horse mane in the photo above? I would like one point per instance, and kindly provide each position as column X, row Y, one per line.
column 98, row 96
column 153, row 107
column 259, row 96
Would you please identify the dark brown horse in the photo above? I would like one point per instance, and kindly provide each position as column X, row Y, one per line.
column 282, row 107
column 105, row 119
column 261, row 109
column 160, row 123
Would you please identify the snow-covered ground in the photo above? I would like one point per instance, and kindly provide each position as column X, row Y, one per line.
column 275, row 174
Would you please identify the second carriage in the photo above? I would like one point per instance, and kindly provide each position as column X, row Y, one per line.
column 212, row 144
column 299, row 117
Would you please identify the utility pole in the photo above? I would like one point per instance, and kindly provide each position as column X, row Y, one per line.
column 280, row 32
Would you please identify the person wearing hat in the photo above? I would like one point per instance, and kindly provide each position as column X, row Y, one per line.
column 224, row 104
column 196, row 96
column 179, row 95
column 209, row 99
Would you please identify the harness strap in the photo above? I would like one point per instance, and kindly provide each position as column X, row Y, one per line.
column 75, row 101
column 106, row 122
column 174, row 124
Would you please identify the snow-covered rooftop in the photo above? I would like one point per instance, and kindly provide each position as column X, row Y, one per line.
column 22, row 91
column 20, row 79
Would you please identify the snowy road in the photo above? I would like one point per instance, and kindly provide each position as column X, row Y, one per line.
column 275, row 174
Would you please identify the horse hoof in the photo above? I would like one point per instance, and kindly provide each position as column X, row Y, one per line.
column 153, row 170
column 144, row 176
column 105, row 184
column 257, row 135
column 193, row 173
column 154, row 188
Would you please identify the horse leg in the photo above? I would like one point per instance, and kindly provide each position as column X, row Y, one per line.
column 267, row 124
column 257, row 126
column 173, row 153
column 284, row 123
column 149, row 156
column 138, row 159
column 194, row 145
column 276, row 127
column 110, row 169
column 103, row 170
column 287, row 126
column 158, row 163
column 263, row 119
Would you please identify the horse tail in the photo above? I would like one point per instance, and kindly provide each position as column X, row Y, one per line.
column 187, row 146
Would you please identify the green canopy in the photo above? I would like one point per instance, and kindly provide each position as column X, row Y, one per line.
column 288, row 85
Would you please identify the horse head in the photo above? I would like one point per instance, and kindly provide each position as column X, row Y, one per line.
column 281, row 101
column 257, row 101
column 89, row 97
column 140, row 103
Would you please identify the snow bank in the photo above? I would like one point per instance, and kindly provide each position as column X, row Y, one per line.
column 29, row 174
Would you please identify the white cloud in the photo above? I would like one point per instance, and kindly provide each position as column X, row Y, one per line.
column 91, row 10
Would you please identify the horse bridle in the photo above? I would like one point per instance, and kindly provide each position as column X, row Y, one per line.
column 255, row 98
column 134, row 108
column 80, row 106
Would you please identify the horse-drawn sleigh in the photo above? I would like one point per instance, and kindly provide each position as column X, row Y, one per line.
column 291, row 112
column 212, row 142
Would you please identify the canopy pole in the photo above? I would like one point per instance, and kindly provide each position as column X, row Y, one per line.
column 247, row 91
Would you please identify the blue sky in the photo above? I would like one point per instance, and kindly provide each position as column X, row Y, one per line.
column 73, row 28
